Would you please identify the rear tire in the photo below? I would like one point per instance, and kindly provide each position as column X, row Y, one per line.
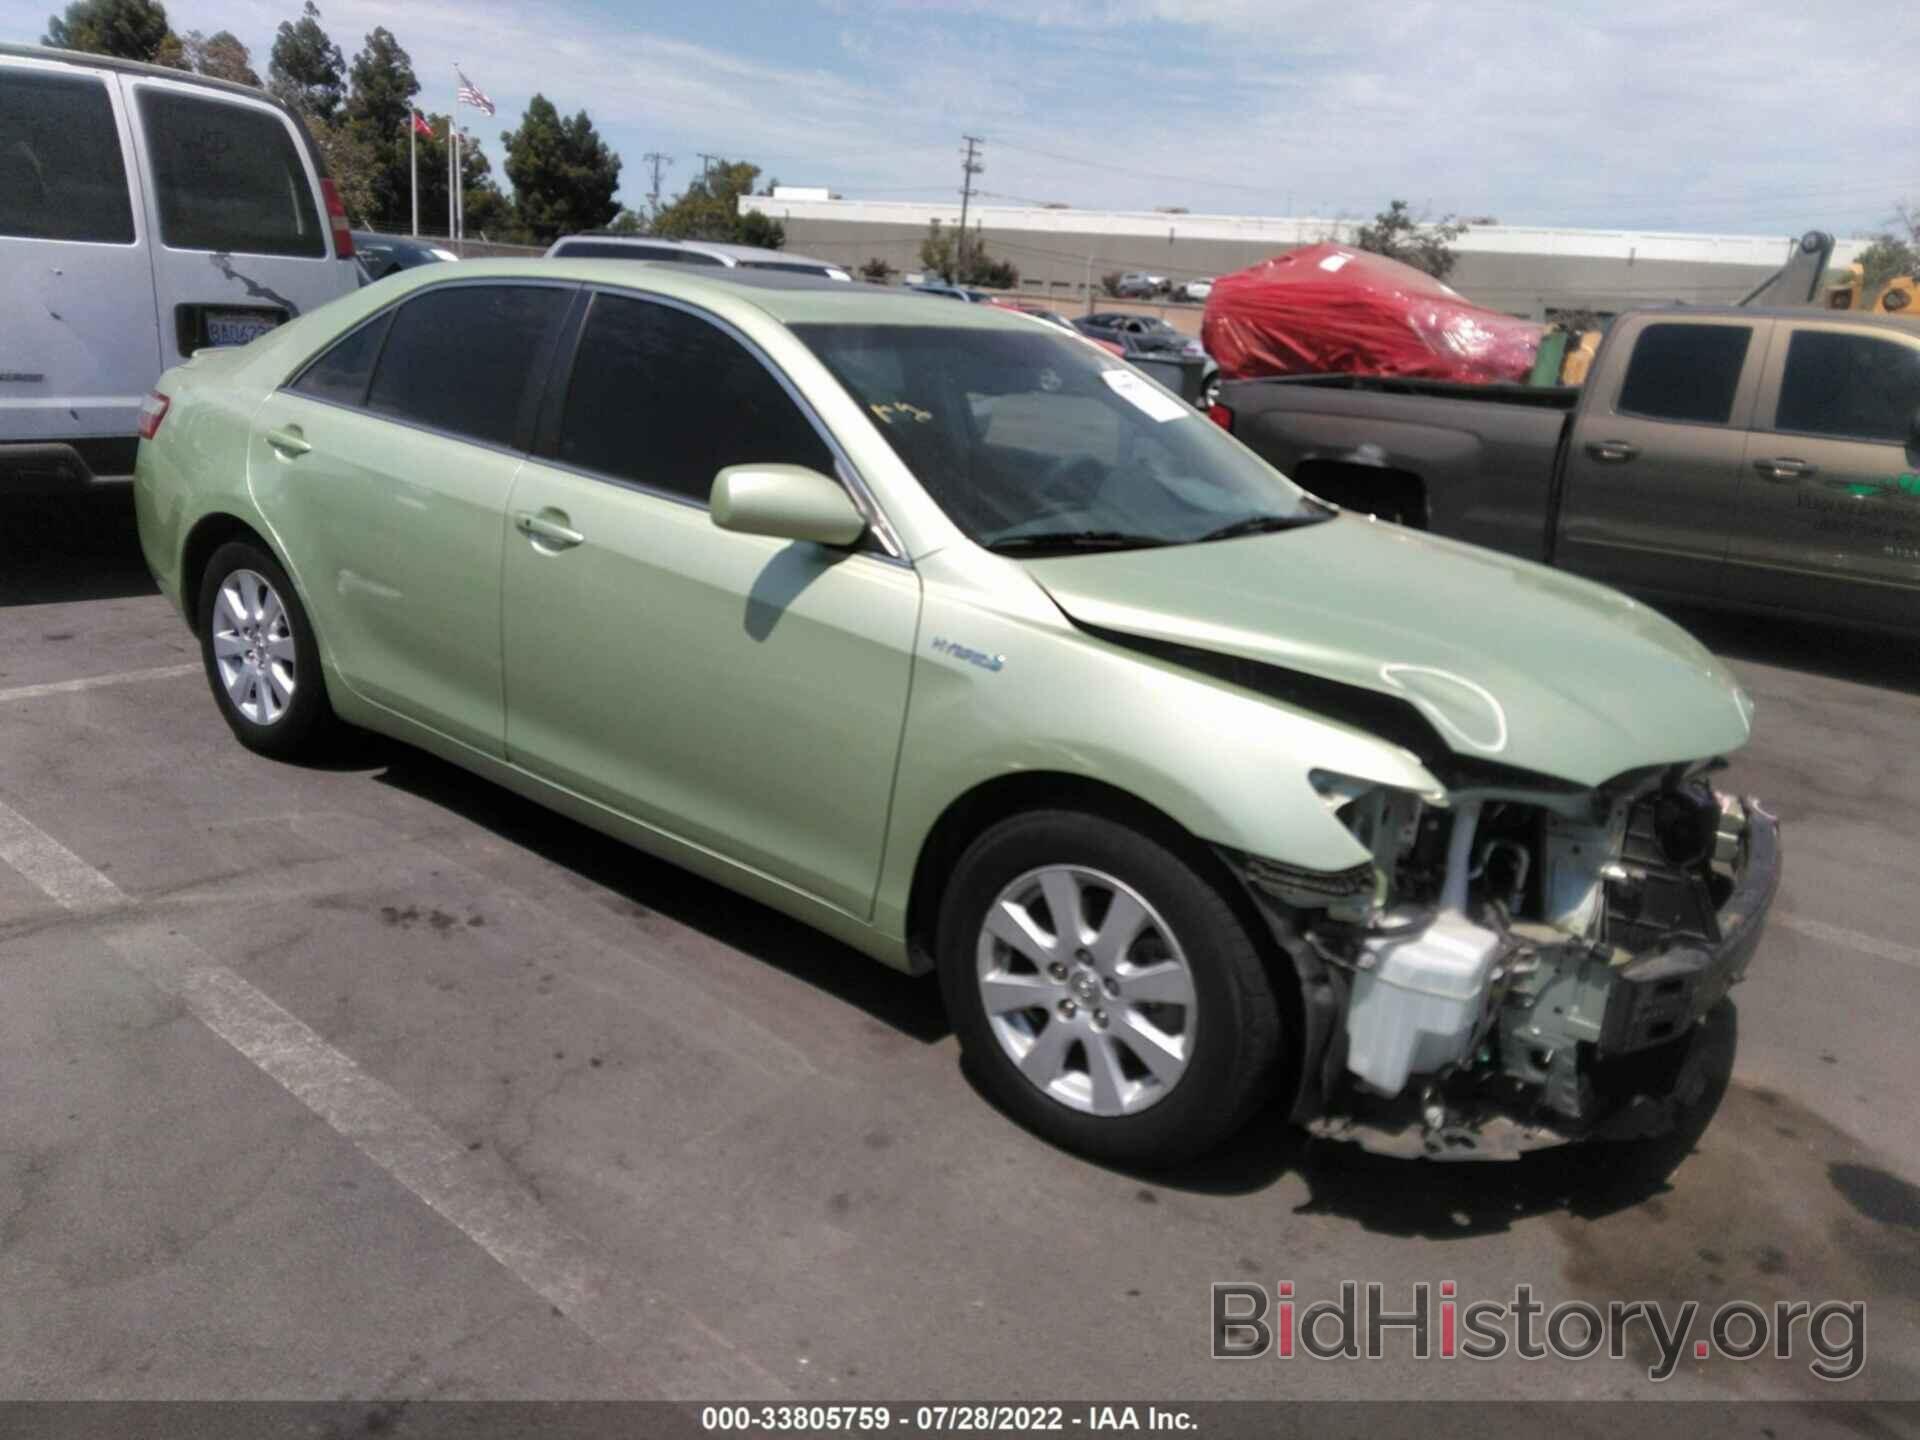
column 261, row 657
column 1141, row 1041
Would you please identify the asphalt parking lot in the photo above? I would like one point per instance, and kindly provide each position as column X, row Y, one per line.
column 373, row 1080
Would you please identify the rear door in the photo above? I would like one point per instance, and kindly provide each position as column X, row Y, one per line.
column 384, row 468
column 244, row 241
column 1829, row 514
column 1654, row 465
column 79, row 348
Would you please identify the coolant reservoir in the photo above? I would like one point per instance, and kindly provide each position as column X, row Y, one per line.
column 1419, row 1003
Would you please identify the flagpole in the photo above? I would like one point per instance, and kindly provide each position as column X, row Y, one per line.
column 413, row 165
column 459, row 179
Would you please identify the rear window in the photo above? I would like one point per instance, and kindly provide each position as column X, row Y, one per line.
column 1685, row 372
column 228, row 177
column 459, row 359
column 1852, row 387
column 62, row 176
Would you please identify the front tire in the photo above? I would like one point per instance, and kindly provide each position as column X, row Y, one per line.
column 1104, row 991
column 262, row 661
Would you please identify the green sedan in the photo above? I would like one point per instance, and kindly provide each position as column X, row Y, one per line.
column 951, row 635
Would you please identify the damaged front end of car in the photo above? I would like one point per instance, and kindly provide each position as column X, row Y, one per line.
column 1522, row 963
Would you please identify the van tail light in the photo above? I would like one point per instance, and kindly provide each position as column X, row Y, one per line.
column 337, row 217
column 1221, row 416
column 152, row 413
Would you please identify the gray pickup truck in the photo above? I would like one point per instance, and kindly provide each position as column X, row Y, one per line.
column 1752, row 459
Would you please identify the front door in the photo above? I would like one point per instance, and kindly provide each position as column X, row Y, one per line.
column 1654, row 463
column 741, row 693
column 1829, row 513
column 384, row 470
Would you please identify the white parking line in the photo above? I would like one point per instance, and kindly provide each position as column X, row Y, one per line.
column 94, row 682
column 52, row 867
column 497, row 1215
column 1852, row 939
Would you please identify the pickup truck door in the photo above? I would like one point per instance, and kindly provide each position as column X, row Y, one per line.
column 1654, row 463
column 1829, row 516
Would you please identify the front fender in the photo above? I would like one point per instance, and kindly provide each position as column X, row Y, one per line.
column 997, row 694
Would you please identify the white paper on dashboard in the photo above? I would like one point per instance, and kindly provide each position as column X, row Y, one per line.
column 1154, row 404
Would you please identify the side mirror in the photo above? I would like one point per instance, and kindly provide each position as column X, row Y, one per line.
column 790, row 502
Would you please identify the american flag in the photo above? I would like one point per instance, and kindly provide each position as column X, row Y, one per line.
column 471, row 94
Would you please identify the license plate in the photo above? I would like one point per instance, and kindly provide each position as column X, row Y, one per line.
column 236, row 329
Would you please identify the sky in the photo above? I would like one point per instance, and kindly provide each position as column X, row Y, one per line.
column 1727, row 116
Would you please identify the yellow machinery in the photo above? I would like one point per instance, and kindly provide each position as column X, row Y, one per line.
column 1895, row 297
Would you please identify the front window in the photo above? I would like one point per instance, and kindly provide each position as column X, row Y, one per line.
column 1030, row 441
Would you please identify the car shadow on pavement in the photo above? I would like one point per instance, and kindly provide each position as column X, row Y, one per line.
column 1860, row 656
column 55, row 549
column 908, row 1004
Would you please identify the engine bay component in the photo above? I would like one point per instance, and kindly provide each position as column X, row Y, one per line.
column 1534, row 968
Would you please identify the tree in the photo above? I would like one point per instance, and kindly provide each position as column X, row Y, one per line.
column 1396, row 234
column 129, row 29
column 379, row 107
column 563, row 174
column 629, row 222
column 1110, row 283
column 876, row 270
column 709, row 209
column 220, row 55
column 307, row 69
column 1893, row 253
column 354, row 167
column 961, row 256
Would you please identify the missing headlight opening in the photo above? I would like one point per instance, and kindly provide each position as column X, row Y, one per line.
column 1519, row 969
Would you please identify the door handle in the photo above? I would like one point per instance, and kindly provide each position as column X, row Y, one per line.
column 288, row 441
column 543, row 528
column 1785, row 471
column 1613, row 452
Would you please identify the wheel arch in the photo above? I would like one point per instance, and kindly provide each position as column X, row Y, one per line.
column 972, row 814
column 209, row 533
column 1351, row 485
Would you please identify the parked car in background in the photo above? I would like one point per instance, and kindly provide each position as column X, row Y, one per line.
column 1755, row 459
column 950, row 292
column 145, row 213
column 1140, row 283
column 1147, row 334
column 1058, row 321
column 379, row 256
column 1196, row 289
column 713, row 255
column 923, row 608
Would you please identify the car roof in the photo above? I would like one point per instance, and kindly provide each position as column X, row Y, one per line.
column 791, row 299
column 1780, row 312
column 744, row 254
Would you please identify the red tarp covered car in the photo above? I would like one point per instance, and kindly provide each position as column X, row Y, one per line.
column 1334, row 310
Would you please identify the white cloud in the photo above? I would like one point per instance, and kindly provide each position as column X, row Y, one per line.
column 1705, row 114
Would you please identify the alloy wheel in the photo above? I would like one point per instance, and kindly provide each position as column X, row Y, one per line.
column 253, row 647
column 1087, row 990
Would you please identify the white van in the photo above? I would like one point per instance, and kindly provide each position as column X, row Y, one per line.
column 145, row 213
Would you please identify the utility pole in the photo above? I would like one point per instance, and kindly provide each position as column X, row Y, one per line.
column 969, row 167
column 706, row 164
column 657, row 161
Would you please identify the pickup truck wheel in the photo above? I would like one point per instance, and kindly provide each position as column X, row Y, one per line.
column 262, row 661
column 1105, row 994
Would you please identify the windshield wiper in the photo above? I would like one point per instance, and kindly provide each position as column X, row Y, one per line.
column 1261, row 525
column 1074, row 540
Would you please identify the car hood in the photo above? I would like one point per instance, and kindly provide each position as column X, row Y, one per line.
column 1510, row 661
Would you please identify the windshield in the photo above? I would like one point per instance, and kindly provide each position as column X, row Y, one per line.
column 1028, row 439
